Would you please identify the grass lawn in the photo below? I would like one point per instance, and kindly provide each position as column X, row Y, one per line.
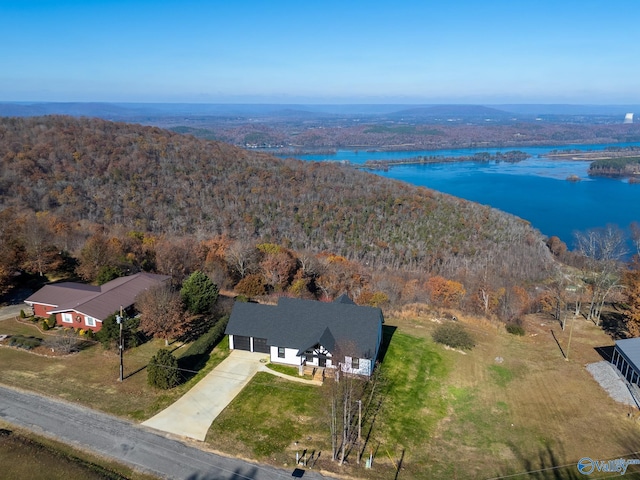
column 268, row 417
column 511, row 405
column 26, row 455
column 271, row 414
column 90, row 377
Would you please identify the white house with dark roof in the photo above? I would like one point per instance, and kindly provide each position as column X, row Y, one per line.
column 310, row 333
column 84, row 306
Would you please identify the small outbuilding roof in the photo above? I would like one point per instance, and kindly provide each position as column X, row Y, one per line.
column 303, row 324
column 97, row 302
column 630, row 348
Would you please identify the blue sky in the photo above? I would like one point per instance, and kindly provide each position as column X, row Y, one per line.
column 349, row 51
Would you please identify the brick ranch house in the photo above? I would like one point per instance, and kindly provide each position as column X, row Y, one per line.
column 84, row 306
column 308, row 333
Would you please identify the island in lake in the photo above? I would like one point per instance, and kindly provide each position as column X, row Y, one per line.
column 511, row 157
column 614, row 162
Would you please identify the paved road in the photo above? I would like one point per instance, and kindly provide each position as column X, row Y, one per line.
column 128, row 443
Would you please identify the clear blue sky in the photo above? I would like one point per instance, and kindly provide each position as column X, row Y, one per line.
column 346, row 51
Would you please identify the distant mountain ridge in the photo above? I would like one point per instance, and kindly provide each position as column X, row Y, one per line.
column 123, row 111
column 454, row 111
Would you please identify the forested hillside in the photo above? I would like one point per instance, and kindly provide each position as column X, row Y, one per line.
column 149, row 180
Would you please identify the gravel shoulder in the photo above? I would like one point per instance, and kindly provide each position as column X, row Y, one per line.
column 606, row 375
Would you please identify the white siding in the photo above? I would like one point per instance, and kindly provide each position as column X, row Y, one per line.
column 365, row 366
column 290, row 356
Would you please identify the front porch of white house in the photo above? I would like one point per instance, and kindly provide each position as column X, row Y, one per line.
column 316, row 360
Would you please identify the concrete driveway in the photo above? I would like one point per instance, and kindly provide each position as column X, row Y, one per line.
column 11, row 311
column 191, row 415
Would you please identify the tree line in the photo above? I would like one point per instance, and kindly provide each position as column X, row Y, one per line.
column 100, row 199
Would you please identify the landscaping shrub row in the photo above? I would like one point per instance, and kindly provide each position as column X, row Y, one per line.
column 192, row 358
column 27, row 343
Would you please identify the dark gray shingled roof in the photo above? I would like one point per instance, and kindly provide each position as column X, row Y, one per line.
column 98, row 302
column 630, row 347
column 301, row 324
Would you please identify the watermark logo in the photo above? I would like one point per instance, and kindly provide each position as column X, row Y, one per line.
column 587, row 466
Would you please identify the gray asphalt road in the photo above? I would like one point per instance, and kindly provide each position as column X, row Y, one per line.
column 129, row 443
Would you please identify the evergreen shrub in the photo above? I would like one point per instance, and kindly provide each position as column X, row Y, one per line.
column 162, row 371
column 454, row 335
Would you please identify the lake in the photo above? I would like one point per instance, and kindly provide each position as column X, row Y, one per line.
column 535, row 189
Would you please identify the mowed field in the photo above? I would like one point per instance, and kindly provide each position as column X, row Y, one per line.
column 516, row 405
column 512, row 407
column 90, row 377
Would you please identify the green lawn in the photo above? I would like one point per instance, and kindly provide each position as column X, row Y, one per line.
column 510, row 405
column 90, row 377
column 271, row 414
column 413, row 369
column 268, row 417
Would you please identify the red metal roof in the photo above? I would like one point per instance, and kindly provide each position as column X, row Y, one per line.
column 97, row 302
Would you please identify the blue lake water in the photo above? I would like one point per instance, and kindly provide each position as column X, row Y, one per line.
column 535, row 189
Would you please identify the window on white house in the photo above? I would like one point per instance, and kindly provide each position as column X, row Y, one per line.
column 90, row 321
column 355, row 363
column 280, row 352
column 67, row 317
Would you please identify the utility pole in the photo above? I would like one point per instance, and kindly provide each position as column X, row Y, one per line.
column 566, row 357
column 359, row 427
column 120, row 320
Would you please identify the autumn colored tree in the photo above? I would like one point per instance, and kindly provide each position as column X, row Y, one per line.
column 11, row 251
column 445, row 293
column 161, row 313
column 178, row 258
column 98, row 252
column 631, row 280
column 372, row 299
column 41, row 255
column 556, row 246
column 252, row 285
column 340, row 275
column 278, row 266
column 215, row 265
column 139, row 248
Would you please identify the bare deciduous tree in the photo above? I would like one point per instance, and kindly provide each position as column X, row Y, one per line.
column 603, row 249
column 161, row 313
